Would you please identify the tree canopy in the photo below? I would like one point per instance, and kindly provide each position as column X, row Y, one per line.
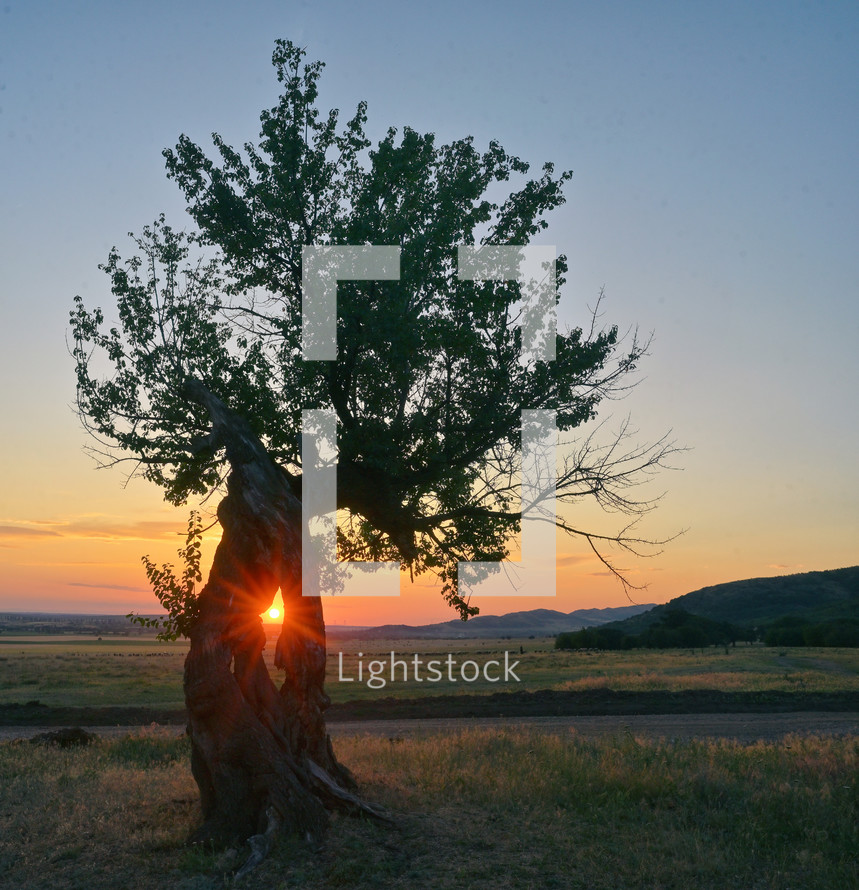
column 428, row 387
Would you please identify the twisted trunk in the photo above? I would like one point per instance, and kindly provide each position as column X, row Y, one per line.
column 261, row 756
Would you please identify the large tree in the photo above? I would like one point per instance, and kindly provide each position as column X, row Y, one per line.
column 201, row 383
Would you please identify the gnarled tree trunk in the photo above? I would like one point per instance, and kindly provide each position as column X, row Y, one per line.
column 261, row 757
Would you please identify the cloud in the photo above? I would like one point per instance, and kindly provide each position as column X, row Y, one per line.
column 99, row 528
column 108, row 587
column 58, row 564
column 106, row 528
column 571, row 559
column 23, row 531
column 781, row 567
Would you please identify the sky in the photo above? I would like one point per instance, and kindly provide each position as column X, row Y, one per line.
column 715, row 198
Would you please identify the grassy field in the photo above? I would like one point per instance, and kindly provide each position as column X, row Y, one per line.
column 91, row 673
column 475, row 809
column 481, row 809
column 139, row 672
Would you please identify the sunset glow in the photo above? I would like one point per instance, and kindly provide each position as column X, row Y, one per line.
column 714, row 196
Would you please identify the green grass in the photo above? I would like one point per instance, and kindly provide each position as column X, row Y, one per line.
column 479, row 809
column 92, row 673
column 140, row 672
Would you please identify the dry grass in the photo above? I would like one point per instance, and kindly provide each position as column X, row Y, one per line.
column 740, row 669
column 480, row 809
column 724, row 681
column 82, row 817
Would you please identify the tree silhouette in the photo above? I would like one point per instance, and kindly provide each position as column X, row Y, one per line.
column 202, row 384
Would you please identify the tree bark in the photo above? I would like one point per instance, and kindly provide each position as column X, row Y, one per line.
column 262, row 757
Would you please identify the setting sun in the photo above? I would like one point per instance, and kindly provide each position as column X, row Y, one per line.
column 274, row 613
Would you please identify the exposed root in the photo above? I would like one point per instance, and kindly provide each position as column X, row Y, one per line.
column 338, row 796
column 332, row 794
column 260, row 844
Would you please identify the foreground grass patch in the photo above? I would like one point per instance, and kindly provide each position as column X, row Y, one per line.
column 94, row 816
column 480, row 809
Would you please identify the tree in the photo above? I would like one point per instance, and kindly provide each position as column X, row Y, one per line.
column 201, row 384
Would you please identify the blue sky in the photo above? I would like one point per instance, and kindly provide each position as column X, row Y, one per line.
column 715, row 196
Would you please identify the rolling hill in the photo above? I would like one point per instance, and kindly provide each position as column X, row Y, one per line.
column 536, row 622
column 758, row 602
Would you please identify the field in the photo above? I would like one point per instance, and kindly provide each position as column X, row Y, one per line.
column 481, row 809
column 477, row 808
column 139, row 672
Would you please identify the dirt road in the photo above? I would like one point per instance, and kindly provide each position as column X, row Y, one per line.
column 744, row 728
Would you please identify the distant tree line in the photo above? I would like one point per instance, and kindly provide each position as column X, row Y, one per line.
column 795, row 631
column 678, row 629
column 675, row 629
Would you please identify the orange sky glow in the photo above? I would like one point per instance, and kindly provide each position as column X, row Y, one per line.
column 91, row 562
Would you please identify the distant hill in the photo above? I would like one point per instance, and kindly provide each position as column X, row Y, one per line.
column 71, row 623
column 758, row 602
column 536, row 622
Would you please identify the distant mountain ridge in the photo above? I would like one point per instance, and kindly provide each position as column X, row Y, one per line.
column 756, row 602
column 830, row 595
column 536, row 622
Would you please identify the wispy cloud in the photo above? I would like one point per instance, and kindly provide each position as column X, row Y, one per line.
column 571, row 559
column 24, row 531
column 108, row 586
column 782, row 567
column 105, row 528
